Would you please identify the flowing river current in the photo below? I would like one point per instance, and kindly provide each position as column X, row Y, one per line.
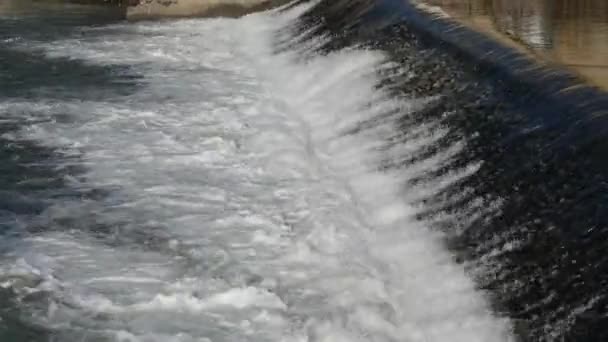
column 201, row 180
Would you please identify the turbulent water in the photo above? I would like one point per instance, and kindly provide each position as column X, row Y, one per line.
column 193, row 184
column 320, row 172
column 184, row 181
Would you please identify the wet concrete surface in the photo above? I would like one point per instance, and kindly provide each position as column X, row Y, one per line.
column 573, row 33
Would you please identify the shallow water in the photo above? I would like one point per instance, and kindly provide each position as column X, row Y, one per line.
column 569, row 32
column 181, row 181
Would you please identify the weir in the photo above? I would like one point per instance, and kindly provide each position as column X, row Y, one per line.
column 323, row 171
column 532, row 217
column 540, row 133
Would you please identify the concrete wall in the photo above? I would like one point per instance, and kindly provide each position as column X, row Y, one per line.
column 150, row 9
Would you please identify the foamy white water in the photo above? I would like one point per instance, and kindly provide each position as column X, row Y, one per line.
column 238, row 208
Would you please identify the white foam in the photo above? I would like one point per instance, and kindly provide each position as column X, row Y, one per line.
column 248, row 213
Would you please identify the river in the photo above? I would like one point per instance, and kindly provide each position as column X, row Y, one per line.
column 292, row 175
column 179, row 181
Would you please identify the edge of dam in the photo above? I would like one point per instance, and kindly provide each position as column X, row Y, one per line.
column 555, row 86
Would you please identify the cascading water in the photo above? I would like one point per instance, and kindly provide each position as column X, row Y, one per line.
column 320, row 172
column 231, row 193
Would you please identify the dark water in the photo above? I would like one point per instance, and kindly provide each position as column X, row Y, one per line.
column 27, row 74
column 33, row 176
column 570, row 32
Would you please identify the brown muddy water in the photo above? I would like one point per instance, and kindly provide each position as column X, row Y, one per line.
column 573, row 33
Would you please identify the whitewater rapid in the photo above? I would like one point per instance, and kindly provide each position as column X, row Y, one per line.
column 241, row 197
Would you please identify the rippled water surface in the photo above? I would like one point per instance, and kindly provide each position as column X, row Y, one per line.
column 569, row 32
